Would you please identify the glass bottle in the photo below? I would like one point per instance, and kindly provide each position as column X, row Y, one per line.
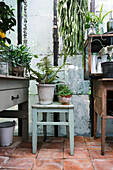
column 110, row 23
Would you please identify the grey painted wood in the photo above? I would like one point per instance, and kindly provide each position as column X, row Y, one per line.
column 14, row 91
column 6, row 98
column 71, row 131
column 55, row 105
column 7, row 84
column 52, row 108
column 34, row 131
column 53, row 123
column 67, row 127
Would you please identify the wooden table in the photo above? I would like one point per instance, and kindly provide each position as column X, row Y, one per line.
column 14, row 91
column 54, row 108
column 102, row 89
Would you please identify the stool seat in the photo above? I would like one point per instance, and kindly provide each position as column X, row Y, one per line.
column 55, row 107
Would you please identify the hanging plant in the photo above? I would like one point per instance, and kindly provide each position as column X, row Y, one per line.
column 7, row 21
column 72, row 25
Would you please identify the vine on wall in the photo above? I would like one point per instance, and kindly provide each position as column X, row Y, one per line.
column 72, row 25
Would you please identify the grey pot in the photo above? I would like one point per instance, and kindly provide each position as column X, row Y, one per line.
column 46, row 93
column 6, row 133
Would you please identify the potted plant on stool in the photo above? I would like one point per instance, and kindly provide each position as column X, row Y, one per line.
column 64, row 94
column 47, row 78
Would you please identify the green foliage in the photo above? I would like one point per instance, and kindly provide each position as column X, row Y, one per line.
column 46, row 73
column 92, row 20
column 19, row 55
column 7, row 19
column 63, row 89
column 72, row 23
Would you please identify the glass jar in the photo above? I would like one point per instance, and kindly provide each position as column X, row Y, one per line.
column 110, row 23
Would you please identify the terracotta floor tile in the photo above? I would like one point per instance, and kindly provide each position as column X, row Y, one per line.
column 29, row 145
column 79, row 139
column 19, row 163
column 91, row 139
column 15, row 169
column 110, row 145
column 58, row 139
column 50, row 153
column 103, row 164
column 99, row 148
column 93, row 144
column 77, row 164
column 23, row 153
column 78, row 154
column 48, row 164
column 17, row 138
column 96, row 154
column 52, row 145
column 4, row 151
column 3, row 160
column 77, row 145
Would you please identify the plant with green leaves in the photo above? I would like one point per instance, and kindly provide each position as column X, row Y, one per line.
column 46, row 73
column 93, row 21
column 7, row 21
column 19, row 55
column 63, row 90
column 72, row 25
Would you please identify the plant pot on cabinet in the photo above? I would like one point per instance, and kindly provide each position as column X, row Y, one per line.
column 107, row 68
column 46, row 93
column 18, row 71
column 65, row 100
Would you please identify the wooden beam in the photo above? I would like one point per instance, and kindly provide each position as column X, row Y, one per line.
column 13, row 114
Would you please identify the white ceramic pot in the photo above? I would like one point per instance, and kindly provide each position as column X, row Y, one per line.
column 46, row 93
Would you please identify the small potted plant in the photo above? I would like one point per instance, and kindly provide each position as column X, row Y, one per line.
column 20, row 57
column 46, row 78
column 94, row 22
column 64, row 94
column 107, row 66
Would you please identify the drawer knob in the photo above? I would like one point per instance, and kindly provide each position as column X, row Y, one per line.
column 13, row 97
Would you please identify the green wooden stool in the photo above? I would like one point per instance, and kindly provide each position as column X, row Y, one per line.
column 58, row 108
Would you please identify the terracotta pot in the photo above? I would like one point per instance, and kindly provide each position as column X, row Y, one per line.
column 65, row 100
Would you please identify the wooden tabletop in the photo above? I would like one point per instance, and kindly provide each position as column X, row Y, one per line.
column 12, row 77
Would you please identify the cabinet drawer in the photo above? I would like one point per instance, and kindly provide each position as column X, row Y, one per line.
column 9, row 98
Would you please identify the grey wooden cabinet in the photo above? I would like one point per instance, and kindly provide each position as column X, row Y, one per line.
column 14, row 91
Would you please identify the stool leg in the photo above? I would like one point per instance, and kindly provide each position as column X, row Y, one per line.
column 34, row 130
column 71, row 131
column 67, row 127
column 103, row 131
column 44, row 126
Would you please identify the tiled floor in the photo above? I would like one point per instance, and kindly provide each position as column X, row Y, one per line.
column 54, row 154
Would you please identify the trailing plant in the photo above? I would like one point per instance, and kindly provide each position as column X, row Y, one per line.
column 72, row 25
column 7, row 21
column 46, row 73
column 63, row 90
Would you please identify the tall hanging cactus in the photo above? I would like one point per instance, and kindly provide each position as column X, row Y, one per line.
column 72, row 20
